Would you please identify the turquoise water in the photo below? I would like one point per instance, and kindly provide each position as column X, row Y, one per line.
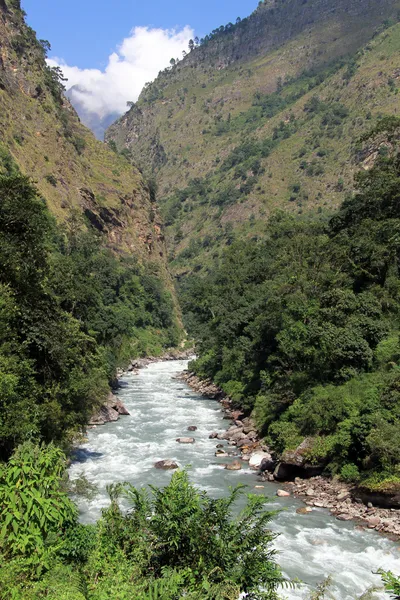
column 310, row 547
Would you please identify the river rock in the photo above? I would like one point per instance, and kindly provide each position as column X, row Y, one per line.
column 282, row 493
column 235, row 466
column 304, row 510
column 213, row 435
column 185, row 440
column 267, row 465
column 221, row 454
column 192, row 428
column 344, row 517
column 373, row 522
column 166, row 464
column 109, row 412
column 257, row 457
column 343, row 496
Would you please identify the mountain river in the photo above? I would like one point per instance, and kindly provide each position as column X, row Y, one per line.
column 311, row 547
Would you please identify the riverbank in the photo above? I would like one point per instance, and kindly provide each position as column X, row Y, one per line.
column 341, row 499
column 112, row 408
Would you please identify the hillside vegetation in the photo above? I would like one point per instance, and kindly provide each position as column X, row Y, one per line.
column 278, row 172
column 233, row 138
column 301, row 327
column 83, row 278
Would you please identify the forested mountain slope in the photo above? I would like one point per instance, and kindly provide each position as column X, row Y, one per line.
column 84, row 284
column 264, row 114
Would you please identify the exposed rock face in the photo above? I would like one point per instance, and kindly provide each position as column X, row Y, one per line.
column 109, row 412
column 167, row 464
column 257, row 458
column 294, row 463
column 389, row 499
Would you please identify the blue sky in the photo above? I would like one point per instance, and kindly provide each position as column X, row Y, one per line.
column 85, row 32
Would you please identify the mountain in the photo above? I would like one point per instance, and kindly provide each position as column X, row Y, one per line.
column 264, row 114
column 72, row 170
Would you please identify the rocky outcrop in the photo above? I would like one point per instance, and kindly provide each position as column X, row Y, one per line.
column 296, row 463
column 205, row 387
column 109, row 412
column 384, row 499
column 344, row 502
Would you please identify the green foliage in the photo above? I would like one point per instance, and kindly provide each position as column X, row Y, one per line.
column 350, row 473
column 301, row 325
column 172, row 543
column 35, row 508
column 70, row 313
column 392, row 583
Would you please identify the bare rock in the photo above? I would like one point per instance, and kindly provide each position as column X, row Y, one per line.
column 373, row 522
column 213, row 435
column 257, row 457
column 235, row 466
column 192, row 428
column 304, row 510
column 283, row 494
column 343, row 495
column 166, row 464
column 185, row 440
column 344, row 517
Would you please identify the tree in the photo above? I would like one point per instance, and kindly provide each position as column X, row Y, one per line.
column 172, row 62
column 191, row 45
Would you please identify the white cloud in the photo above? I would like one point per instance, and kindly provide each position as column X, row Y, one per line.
column 137, row 60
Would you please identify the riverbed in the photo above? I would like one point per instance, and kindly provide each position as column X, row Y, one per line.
column 311, row 547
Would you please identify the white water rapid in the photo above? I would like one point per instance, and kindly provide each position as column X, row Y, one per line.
column 311, row 547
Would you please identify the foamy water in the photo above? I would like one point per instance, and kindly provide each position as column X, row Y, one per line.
column 311, row 547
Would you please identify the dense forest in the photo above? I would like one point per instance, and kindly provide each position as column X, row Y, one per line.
column 300, row 326
column 71, row 311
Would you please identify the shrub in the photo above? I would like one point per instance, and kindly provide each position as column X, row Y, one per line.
column 350, row 473
column 35, row 506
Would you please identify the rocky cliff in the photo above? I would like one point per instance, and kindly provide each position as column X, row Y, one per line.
column 72, row 170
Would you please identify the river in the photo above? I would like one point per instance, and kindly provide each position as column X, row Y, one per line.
column 310, row 547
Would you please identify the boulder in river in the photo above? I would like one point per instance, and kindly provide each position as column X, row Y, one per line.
column 235, row 466
column 283, row 494
column 257, row 457
column 166, row 464
column 304, row 510
column 192, row 428
column 185, row 440
column 109, row 411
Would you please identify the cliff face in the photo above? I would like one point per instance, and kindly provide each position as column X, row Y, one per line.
column 74, row 172
column 264, row 114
